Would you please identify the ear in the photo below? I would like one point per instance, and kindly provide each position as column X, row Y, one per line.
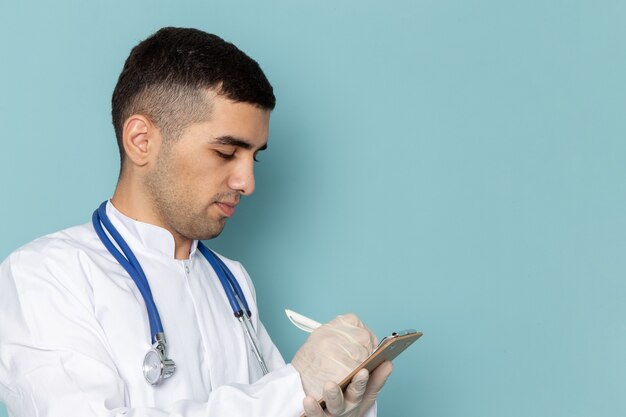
column 141, row 139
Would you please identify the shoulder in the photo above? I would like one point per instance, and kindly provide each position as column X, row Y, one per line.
column 55, row 246
column 235, row 266
column 54, row 257
column 239, row 271
column 47, row 292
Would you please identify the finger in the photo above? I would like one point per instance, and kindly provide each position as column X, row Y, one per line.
column 357, row 387
column 350, row 319
column 376, row 382
column 312, row 407
column 355, row 352
column 350, row 327
column 333, row 396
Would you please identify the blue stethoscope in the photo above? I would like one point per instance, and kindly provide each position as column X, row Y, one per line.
column 156, row 365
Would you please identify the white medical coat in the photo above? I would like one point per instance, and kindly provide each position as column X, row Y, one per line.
column 74, row 331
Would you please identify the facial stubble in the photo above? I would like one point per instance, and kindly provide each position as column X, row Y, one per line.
column 172, row 200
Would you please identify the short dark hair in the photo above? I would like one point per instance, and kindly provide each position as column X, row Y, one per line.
column 164, row 75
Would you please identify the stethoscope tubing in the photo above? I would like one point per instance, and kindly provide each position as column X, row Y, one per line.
column 129, row 262
column 228, row 281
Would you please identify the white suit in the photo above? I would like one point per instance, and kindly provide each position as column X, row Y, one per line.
column 74, row 331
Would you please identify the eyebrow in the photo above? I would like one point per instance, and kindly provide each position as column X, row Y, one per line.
column 238, row 142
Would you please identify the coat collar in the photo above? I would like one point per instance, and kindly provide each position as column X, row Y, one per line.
column 147, row 236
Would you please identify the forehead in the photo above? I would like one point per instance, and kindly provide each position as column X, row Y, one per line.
column 225, row 117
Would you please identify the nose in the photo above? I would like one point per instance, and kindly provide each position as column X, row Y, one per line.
column 241, row 178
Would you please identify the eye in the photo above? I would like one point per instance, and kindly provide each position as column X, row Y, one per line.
column 224, row 155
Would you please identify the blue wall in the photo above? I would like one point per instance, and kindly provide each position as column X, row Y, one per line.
column 454, row 166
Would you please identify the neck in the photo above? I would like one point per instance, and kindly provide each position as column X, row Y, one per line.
column 134, row 203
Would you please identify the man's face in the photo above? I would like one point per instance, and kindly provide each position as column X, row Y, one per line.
column 199, row 177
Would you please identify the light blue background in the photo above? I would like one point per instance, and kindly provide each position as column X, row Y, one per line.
column 453, row 166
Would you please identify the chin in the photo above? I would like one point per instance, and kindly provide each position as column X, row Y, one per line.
column 209, row 234
column 212, row 236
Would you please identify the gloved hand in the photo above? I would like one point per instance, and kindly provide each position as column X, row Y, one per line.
column 358, row 398
column 330, row 353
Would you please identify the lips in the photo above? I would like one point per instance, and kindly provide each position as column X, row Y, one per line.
column 226, row 208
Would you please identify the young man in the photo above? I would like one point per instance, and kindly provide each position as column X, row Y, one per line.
column 190, row 113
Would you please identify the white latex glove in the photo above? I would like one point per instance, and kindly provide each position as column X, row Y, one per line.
column 358, row 398
column 330, row 353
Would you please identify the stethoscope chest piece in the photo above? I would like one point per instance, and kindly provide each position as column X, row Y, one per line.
column 156, row 365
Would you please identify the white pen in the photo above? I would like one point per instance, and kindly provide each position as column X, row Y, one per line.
column 302, row 322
